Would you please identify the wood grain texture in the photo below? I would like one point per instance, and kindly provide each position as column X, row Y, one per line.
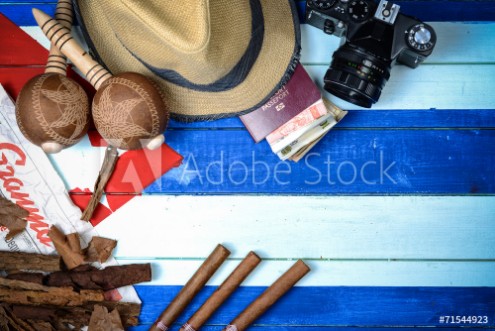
column 285, row 227
column 458, row 43
column 13, row 40
column 382, row 118
column 440, row 86
column 355, row 162
column 338, row 306
column 435, row 122
column 440, row 10
column 336, row 272
column 345, row 162
column 311, row 328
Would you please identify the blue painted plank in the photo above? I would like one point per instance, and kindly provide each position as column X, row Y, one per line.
column 338, row 306
column 407, row 118
column 345, row 162
column 21, row 14
column 309, row 328
column 426, row 10
column 439, row 10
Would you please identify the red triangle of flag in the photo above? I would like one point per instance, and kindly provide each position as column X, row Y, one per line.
column 21, row 57
column 19, row 48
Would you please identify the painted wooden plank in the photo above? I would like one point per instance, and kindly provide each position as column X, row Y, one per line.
column 462, row 86
column 14, row 78
column 371, row 118
column 18, row 48
column 308, row 227
column 352, row 162
column 475, row 39
column 355, row 162
column 429, row 86
column 338, row 306
column 36, row 34
column 21, row 13
column 467, row 86
column 308, row 328
column 345, row 162
column 439, row 10
column 427, row 10
column 332, row 272
column 457, row 43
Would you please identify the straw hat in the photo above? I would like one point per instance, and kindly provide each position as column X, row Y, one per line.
column 212, row 58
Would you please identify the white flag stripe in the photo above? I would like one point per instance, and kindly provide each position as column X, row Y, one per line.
column 335, row 273
column 305, row 227
column 317, row 48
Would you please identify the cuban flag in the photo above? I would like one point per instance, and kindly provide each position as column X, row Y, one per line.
column 394, row 210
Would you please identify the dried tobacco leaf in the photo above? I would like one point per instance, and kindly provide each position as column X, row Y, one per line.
column 100, row 249
column 105, row 279
column 102, row 320
column 71, row 258
column 106, row 171
column 12, row 217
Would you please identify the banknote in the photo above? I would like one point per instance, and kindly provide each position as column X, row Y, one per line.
column 325, row 124
column 338, row 115
column 298, row 122
column 305, row 150
column 300, row 128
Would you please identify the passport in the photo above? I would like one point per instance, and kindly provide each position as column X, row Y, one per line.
column 299, row 93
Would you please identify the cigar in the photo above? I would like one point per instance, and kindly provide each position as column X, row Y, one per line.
column 222, row 293
column 189, row 291
column 269, row 297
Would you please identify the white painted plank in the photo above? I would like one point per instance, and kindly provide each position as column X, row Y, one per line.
column 36, row 33
column 429, row 86
column 280, row 227
column 336, row 273
column 457, row 43
column 79, row 165
column 468, row 85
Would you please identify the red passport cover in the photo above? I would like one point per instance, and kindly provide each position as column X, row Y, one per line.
column 299, row 93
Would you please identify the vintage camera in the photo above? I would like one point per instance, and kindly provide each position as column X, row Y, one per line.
column 375, row 37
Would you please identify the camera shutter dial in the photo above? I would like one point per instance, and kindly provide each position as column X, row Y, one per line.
column 420, row 37
column 359, row 10
column 322, row 4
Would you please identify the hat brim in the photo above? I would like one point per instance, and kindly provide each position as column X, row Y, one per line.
column 274, row 66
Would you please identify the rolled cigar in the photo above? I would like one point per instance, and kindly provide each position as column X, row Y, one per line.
column 222, row 292
column 189, row 291
column 269, row 297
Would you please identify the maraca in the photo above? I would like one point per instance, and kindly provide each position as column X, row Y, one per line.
column 128, row 109
column 52, row 110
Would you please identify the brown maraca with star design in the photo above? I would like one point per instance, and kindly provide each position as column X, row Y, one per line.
column 128, row 109
column 52, row 110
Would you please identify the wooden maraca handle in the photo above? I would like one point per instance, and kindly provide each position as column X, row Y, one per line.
column 60, row 37
column 57, row 62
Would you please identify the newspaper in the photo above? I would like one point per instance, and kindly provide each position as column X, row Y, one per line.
column 28, row 178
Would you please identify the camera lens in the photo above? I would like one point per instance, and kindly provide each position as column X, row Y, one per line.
column 357, row 76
